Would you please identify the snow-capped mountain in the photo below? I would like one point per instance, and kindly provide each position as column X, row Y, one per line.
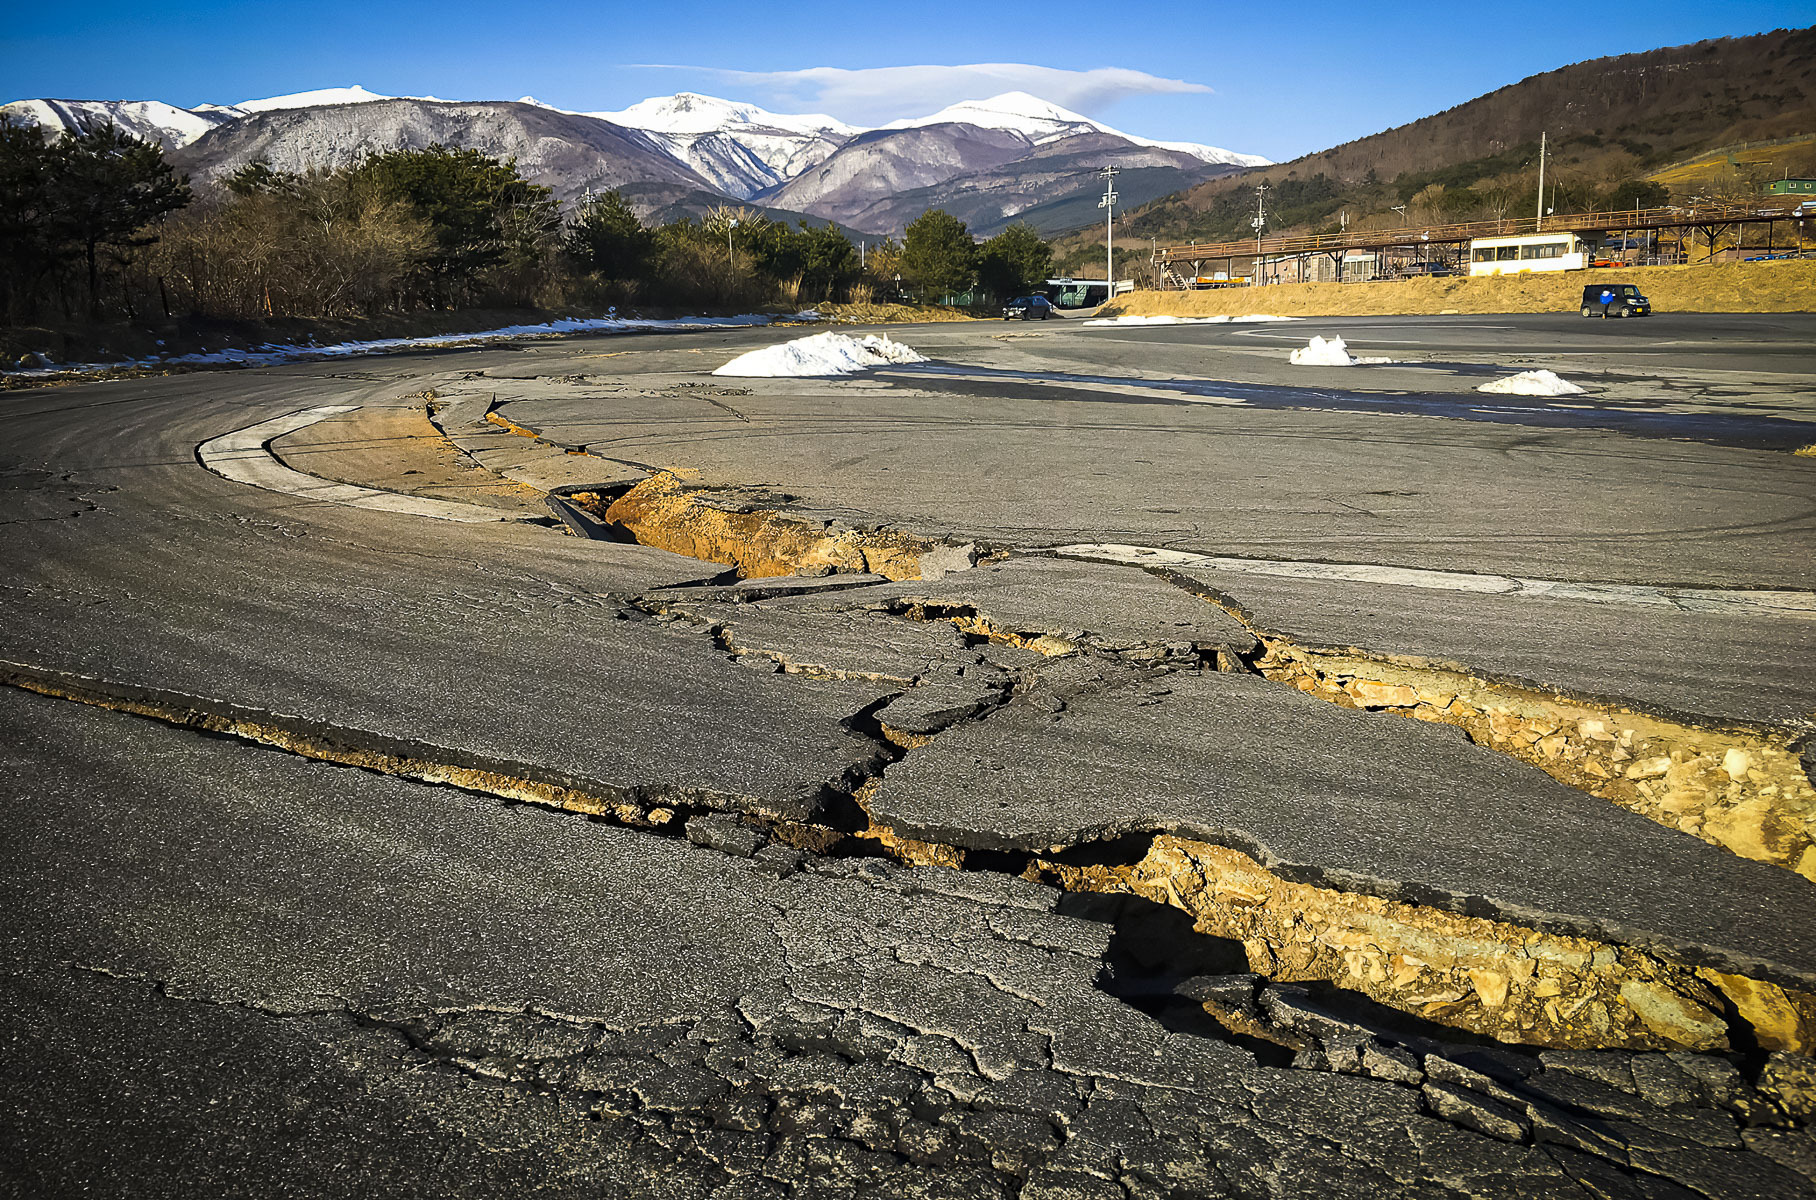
column 1042, row 121
column 168, row 125
column 1009, row 157
column 148, row 120
column 740, row 148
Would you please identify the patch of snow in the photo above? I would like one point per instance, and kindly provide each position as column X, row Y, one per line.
column 1320, row 352
column 271, row 353
column 319, row 98
column 821, row 354
column 1532, row 383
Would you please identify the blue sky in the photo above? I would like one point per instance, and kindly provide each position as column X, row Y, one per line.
column 1273, row 79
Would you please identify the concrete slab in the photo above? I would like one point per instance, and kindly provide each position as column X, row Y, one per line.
column 244, row 456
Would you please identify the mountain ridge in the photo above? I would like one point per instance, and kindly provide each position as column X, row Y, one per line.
column 732, row 148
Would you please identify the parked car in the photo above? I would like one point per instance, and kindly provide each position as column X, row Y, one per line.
column 1028, row 308
column 1426, row 268
column 1615, row 300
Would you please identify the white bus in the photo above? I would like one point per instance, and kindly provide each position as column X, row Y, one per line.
column 1528, row 252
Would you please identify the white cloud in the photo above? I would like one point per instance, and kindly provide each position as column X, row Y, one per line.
column 877, row 94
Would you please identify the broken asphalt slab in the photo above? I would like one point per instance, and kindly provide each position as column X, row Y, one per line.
column 1721, row 665
column 1352, row 800
column 1100, row 605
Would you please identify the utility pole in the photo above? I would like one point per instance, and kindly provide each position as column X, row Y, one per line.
column 1108, row 204
column 1260, row 223
column 1539, row 217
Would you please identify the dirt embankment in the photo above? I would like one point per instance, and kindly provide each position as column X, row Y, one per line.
column 1761, row 287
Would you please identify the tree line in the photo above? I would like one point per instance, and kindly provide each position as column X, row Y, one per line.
column 96, row 225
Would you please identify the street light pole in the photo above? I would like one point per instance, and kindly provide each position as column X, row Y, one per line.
column 1538, row 221
column 1108, row 204
column 1259, row 222
column 729, row 256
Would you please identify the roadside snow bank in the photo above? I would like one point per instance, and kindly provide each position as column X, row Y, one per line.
column 1532, row 383
column 284, row 352
column 1320, row 352
column 821, row 354
column 1220, row 319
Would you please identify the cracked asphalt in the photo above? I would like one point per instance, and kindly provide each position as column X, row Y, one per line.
column 281, row 923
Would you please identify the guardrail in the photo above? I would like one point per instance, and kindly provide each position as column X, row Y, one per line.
column 1682, row 217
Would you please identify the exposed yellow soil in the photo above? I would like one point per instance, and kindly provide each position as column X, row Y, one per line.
column 1490, row 977
column 662, row 512
column 509, row 787
column 1762, row 287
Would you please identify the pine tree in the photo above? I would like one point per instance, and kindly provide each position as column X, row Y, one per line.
column 938, row 255
column 1014, row 262
column 606, row 237
column 108, row 186
column 28, row 235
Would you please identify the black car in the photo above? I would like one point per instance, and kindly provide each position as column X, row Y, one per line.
column 1614, row 300
column 1436, row 269
column 1028, row 308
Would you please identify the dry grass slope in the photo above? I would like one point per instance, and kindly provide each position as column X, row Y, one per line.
column 1742, row 287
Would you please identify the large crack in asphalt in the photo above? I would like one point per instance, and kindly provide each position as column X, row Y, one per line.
column 1739, row 785
column 783, row 1073
column 1645, row 762
column 1668, row 772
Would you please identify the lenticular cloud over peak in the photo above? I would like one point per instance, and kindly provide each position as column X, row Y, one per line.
column 885, row 93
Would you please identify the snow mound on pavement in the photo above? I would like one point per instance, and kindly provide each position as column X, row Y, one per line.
column 821, row 354
column 1320, row 352
column 1248, row 319
column 1532, row 383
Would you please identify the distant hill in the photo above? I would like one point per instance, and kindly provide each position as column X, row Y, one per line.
column 1610, row 122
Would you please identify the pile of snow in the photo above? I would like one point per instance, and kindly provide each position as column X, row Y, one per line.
column 1532, row 383
column 271, row 353
column 821, row 354
column 1221, row 319
column 1320, row 352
